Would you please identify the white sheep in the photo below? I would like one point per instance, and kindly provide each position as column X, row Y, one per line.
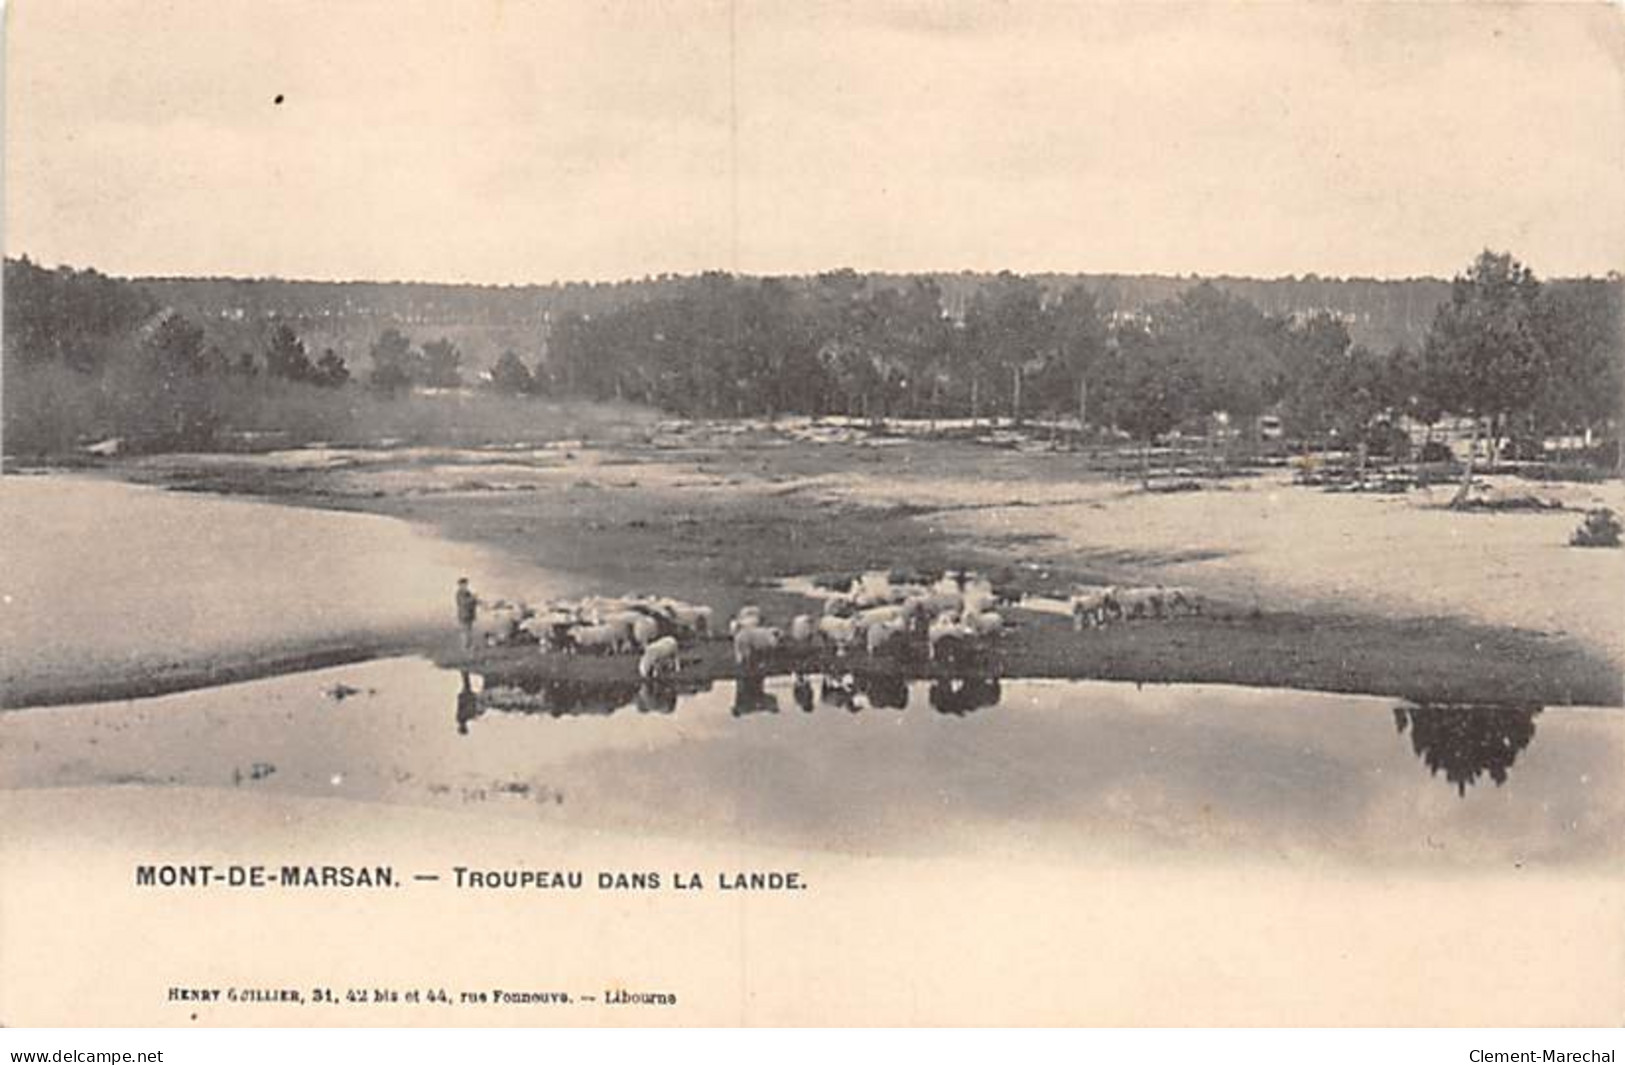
column 1185, row 600
column 839, row 633
column 645, row 630
column 985, row 623
column 1093, row 607
column 600, row 639
column 1142, row 602
column 754, row 642
column 802, row 630
column 749, row 617
column 660, row 657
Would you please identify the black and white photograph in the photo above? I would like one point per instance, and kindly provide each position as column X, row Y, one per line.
column 752, row 513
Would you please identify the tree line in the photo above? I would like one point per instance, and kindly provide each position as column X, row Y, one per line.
column 1517, row 357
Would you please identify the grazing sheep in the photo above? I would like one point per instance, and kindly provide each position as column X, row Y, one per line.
column 880, row 615
column 840, row 606
column 839, row 633
column 600, row 639
column 498, row 624
column 903, row 592
column 802, row 630
column 946, row 635
column 660, row 657
column 1186, row 601
column 560, row 639
column 877, row 636
column 551, row 630
column 624, row 618
column 645, row 631
column 598, row 609
column 753, row 643
column 688, row 619
column 1143, row 602
column 985, row 623
column 978, row 595
column 749, row 617
column 1094, row 607
column 873, row 589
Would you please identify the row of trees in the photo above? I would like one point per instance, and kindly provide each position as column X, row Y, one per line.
column 1506, row 351
column 1513, row 355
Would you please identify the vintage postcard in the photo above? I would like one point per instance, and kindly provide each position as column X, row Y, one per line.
column 926, row 512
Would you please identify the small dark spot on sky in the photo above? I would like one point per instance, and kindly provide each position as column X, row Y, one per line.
column 278, row 99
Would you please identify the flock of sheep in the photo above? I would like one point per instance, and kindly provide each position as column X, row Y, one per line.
column 953, row 618
column 949, row 618
column 1094, row 607
column 656, row 627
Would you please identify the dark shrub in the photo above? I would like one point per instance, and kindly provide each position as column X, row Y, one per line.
column 1436, row 451
column 1600, row 529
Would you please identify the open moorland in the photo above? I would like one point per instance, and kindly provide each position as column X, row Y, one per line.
column 1381, row 593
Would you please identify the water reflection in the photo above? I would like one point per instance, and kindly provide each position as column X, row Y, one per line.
column 657, row 697
column 750, row 697
column 840, row 691
column 1466, row 741
column 468, row 705
column 569, row 698
column 958, row 696
column 1073, row 763
column 885, row 691
column 964, row 695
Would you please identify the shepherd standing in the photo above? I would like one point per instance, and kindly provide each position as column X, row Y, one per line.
column 467, row 607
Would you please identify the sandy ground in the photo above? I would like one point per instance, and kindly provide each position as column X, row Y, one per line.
column 100, row 578
column 1006, row 936
column 1261, row 540
column 707, row 514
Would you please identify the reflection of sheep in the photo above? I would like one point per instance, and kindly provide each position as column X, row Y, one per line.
column 838, row 692
column 657, row 698
column 947, row 636
column 880, row 634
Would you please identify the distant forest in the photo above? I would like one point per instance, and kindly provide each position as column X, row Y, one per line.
column 175, row 362
column 486, row 320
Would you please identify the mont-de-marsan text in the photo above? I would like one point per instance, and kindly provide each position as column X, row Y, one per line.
column 265, row 876
column 463, row 877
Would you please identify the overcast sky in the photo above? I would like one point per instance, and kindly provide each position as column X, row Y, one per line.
column 513, row 141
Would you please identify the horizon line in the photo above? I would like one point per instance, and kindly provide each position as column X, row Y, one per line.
column 1613, row 274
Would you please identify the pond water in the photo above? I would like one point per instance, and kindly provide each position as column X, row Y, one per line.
column 836, row 763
